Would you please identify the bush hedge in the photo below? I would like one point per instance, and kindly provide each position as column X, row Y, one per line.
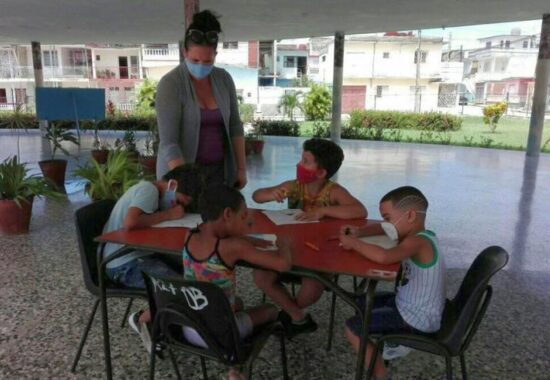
column 278, row 127
column 427, row 121
column 117, row 122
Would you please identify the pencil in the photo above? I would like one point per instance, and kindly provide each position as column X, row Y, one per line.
column 312, row 246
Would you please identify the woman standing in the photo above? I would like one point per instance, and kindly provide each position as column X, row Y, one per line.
column 198, row 113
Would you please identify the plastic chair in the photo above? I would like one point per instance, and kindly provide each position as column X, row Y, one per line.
column 204, row 307
column 461, row 316
column 90, row 221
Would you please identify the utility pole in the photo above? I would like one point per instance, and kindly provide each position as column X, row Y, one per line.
column 418, row 60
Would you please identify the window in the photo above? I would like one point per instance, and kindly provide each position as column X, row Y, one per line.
column 488, row 44
column 290, row 62
column 424, row 55
column 507, row 44
column 3, row 97
column 386, row 55
column 50, row 58
column 382, row 90
column 113, row 88
column 525, row 44
column 98, row 57
column 487, row 66
column 231, row 45
column 128, row 89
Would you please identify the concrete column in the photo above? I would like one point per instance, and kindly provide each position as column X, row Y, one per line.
column 39, row 82
column 417, row 99
column 337, row 80
column 190, row 8
column 542, row 75
column 274, row 63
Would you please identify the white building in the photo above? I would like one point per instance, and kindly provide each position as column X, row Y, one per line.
column 380, row 71
column 503, row 69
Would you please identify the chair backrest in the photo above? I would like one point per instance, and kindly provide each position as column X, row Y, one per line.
column 202, row 306
column 464, row 312
column 90, row 221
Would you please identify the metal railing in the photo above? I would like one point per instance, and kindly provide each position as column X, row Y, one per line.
column 161, row 53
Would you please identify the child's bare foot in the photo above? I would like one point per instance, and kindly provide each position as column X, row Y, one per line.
column 234, row 374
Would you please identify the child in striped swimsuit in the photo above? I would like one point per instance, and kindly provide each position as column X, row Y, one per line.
column 419, row 300
column 212, row 249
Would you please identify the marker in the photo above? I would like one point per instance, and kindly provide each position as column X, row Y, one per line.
column 312, row 246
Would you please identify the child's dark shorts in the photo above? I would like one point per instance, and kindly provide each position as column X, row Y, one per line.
column 385, row 319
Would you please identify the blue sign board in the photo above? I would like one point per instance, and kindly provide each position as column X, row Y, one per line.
column 70, row 103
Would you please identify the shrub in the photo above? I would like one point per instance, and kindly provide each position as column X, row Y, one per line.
column 428, row 121
column 146, row 96
column 321, row 129
column 246, row 112
column 317, row 102
column 492, row 114
column 278, row 127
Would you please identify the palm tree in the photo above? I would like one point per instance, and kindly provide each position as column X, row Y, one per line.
column 289, row 102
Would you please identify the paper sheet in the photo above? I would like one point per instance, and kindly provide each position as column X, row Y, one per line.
column 280, row 217
column 380, row 240
column 189, row 221
column 269, row 237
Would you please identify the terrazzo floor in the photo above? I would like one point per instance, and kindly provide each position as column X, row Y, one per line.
column 478, row 198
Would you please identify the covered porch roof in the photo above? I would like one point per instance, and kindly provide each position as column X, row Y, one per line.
column 144, row 21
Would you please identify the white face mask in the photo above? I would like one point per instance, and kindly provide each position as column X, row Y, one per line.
column 390, row 229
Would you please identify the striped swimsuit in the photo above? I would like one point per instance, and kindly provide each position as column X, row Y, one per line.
column 212, row 269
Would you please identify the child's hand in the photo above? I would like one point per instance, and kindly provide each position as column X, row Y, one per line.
column 347, row 241
column 279, row 194
column 315, row 214
column 349, row 230
column 176, row 212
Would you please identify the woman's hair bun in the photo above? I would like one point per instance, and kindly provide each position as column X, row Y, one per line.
column 205, row 21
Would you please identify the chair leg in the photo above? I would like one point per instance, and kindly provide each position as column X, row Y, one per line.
column 84, row 336
column 449, row 365
column 372, row 361
column 293, row 287
column 174, row 363
column 463, row 367
column 152, row 357
column 126, row 313
column 283, row 357
column 203, row 365
column 331, row 322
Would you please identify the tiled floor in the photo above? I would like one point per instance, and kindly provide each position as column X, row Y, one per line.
column 477, row 198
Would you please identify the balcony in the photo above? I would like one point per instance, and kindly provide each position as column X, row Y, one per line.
column 161, row 54
column 16, row 72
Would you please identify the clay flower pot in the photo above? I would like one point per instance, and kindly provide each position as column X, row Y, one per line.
column 149, row 165
column 100, row 155
column 54, row 170
column 15, row 220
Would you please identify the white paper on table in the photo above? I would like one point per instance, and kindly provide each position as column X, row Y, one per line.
column 380, row 240
column 189, row 221
column 280, row 217
column 269, row 237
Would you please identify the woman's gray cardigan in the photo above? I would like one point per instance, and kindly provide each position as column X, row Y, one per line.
column 178, row 116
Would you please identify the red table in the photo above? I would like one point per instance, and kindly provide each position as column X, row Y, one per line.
column 330, row 258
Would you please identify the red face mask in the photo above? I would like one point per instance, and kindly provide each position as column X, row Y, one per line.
column 304, row 175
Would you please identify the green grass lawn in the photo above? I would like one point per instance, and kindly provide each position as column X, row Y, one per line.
column 511, row 133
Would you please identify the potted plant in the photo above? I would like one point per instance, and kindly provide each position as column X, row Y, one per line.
column 254, row 141
column 148, row 160
column 54, row 169
column 17, row 191
column 100, row 149
column 16, row 121
column 112, row 179
column 128, row 143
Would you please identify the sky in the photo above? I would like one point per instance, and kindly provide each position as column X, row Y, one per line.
column 467, row 35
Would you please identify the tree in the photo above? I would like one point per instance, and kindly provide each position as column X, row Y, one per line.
column 492, row 114
column 317, row 102
column 289, row 102
column 146, row 96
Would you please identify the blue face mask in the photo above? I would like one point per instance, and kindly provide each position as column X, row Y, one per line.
column 169, row 198
column 198, row 70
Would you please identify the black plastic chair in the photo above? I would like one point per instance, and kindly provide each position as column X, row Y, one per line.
column 461, row 316
column 204, row 307
column 90, row 221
